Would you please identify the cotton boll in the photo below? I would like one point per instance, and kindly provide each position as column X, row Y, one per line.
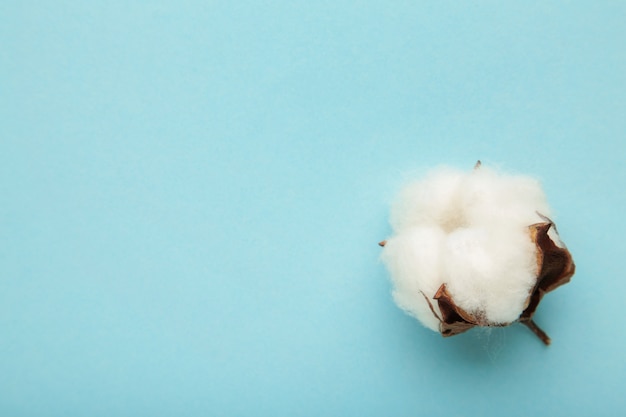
column 414, row 261
column 468, row 250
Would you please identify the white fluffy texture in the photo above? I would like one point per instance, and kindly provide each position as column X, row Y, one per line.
column 468, row 230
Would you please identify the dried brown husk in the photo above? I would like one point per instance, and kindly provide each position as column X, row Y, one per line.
column 555, row 267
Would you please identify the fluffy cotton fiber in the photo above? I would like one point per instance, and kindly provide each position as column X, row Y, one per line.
column 470, row 231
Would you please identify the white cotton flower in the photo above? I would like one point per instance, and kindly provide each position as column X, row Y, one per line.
column 468, row 249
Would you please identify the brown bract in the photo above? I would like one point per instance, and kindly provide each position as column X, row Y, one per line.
column 555, row 267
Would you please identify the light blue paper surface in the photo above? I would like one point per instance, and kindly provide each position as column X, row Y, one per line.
column 192, row 193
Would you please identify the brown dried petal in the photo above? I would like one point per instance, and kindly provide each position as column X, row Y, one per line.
column 454, row 319
column 555, row 266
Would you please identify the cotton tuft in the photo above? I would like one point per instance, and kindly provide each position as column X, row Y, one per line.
column 469, row 231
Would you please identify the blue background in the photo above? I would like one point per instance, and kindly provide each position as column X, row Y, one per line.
column 192, row 193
